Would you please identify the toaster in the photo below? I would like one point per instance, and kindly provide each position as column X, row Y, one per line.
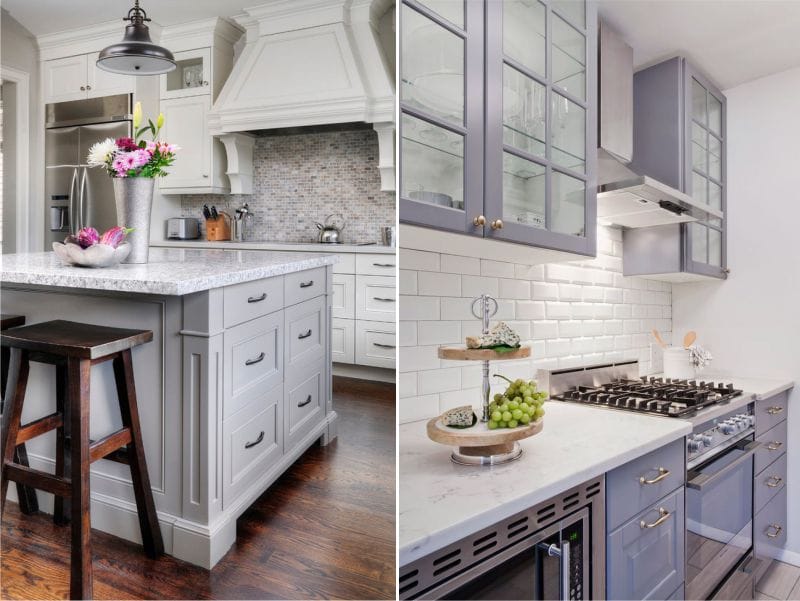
column 183, row 228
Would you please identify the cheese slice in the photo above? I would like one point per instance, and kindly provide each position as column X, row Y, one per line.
column 460, row 416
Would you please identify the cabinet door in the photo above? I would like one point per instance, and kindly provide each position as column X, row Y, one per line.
column 376, row 344
column 541, row 124
column 65, row 79
column 376, row 298
column 343, row 340
column 441, row 133
column 103, row 83
column 344, row 296
column 185, row 124
column 705, row 242
column 190, row 77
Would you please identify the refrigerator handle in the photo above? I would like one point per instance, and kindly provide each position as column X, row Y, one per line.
column 83, row 193
column 72, row 221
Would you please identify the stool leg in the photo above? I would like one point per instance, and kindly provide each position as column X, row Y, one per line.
column 17, row 383
column 28, row 503
column 63, row 452
column 80, row 582
column 148, row 520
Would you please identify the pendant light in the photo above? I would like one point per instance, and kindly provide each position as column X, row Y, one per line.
column 136, row 54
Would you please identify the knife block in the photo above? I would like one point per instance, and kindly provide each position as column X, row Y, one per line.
column 218, row 229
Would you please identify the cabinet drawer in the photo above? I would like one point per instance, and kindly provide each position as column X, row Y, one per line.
column 773, row 445
column 639, row 483
column 376, row 344
column 678, row 594
column 346, row 264
column 770, row 412
column 376, row 298
column 306, row 336
column 304, row 404
column 648, row 563
column 343, row 340
column 769, row 533
column 770, row 482
column 303, row 285
column 252, row 440
column 376, row 265
column 344, row 296
column 243, row 302
column 254, row 360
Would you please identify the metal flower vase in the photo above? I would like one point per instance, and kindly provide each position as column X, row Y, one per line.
column 134, row 198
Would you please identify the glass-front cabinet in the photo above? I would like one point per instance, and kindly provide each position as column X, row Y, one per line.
column 497, row 117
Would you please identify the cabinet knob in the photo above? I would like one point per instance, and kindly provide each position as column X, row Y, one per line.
column 497, row 224
column 205, row 83
column 88, row 87
column 205, row 175
column 479, row 220
column 83, row 88
column 726, row 270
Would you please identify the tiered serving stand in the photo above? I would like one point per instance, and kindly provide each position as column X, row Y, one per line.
column 479, row 445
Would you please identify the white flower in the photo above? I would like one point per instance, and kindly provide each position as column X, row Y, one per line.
column 101, row 152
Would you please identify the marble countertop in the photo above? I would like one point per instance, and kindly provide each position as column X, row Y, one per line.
column 377, row 249
column 170, row 271
column 440, row 502
column 760, row 388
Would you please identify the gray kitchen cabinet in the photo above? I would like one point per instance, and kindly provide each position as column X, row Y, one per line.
column 498, row 120
column 680, row 139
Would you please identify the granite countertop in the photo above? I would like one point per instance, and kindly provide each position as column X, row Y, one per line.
column 171, row 271
column 378, row 249
column 441, row 502
column 760, row 388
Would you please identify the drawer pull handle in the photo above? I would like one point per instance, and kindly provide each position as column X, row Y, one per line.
column 248, row 445
column 379, row 345
column 304, row 403
column 307, row 284
column 664, row 517
column 383, row 264
column 257, row 299
column 662, row 473
column 774, row 446
column 383, row 300
column 774, row 481
column 306, row 335
column 258, row 359
column 776, row 533
column 774, row 410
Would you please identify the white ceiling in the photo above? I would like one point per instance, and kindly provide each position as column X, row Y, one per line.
column 732, row 41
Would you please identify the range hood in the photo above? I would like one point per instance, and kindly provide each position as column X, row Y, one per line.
column 308, row 63
column 625, row 197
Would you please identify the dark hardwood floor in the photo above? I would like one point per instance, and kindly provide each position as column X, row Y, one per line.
column 324, row 530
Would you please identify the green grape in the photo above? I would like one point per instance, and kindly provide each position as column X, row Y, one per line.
column 538, row 413
column 507, row 416
column 517, row 413
column 525, row 419
column 493, row 424
column 496, row 416
column 525, row 406
column 503, row 425
column 513, row 405
column 517, row 399
column 513, row 423
column 519, row 382
column 503, row 407
column 498, row 397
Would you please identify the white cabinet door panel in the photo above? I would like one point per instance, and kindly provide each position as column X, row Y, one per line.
column 186, row 124
column 343, row 340
column 344, row 296
column 64, row 78
column 375, row 344
column 376, row 265
column 376, row 298
column 346, row 264
column 103, row 83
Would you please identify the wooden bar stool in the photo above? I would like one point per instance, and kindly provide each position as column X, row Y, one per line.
column 74, row 348
column 28, row 503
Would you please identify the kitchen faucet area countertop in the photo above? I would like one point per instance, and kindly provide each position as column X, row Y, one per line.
column 378, row 249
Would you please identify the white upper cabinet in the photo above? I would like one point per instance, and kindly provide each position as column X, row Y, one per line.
column 185, row 124
column 78, row 77
column 191, row 77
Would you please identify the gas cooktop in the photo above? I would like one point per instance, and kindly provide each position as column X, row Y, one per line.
column 660, row 396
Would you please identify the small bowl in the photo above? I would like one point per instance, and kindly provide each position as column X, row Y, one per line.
column 97, row 255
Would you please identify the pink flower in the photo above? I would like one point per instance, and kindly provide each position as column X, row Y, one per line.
column 119, row 165
column 139, row 158
column 126, row 143
column 151, row 146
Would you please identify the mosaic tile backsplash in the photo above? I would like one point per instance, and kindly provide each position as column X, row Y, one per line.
column 301, row 178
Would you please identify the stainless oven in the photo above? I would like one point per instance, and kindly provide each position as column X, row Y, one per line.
column 554, row 550
column 719, row 522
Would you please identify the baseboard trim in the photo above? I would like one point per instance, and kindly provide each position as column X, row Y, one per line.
column 364, row 372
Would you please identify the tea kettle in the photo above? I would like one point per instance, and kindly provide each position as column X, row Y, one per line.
column 330, row 233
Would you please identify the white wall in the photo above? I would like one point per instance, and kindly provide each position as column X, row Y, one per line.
column 8, row 214
column 751, row 322
column 579, row 313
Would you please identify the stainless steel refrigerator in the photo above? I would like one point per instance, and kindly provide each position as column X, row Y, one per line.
column 77, row 195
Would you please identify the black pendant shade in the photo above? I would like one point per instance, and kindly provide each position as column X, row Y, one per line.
column 136, row 54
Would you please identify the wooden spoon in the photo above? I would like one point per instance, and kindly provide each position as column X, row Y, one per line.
column 658, row 338
column 689, row 339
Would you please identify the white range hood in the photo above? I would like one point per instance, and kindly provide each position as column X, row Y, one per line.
column 306, row 63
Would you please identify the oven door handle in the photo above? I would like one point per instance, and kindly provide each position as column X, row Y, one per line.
column 700, row 481
column 564, row 567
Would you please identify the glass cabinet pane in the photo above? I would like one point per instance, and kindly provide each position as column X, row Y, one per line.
column 524, row 190
column 699, row 148
column 523, row 112
column 715, row 195
column 699, row 112
column 452, row 10
column 573, row 10
column 714, row 247
column 699, row 188
column 432, row 67
column 568, row 205
column 569, row 58
column 714, row 157
column 189, row 73
column 432, row 164
column 524, row 33
column 699, row 237
column 714, row 115
column 567, row 133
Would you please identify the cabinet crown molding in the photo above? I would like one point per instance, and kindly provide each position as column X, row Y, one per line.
column 83, row 40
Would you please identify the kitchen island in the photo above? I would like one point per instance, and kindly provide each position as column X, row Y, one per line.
column 234, row 387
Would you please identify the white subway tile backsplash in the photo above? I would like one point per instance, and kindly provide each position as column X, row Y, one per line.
column 612, row 295
column 582, row 310
column 571, row 292
column 556, row 310
column 430, row 283
column 593, row 327
column 516, row 289
column 439, row 380
column 416, row 408
column 544, row 291
column 439, row 332
column 612, row 326
column 571, row 329
column 497, row 269
column 473, row 285
column 418, row 308
column 543, row 330
column 407, row 333
column 407, row 383
column 526, row 309
column 590, row 294
column 558, row 347
column 419, row 260
column 417, row 358
column 463, row 265
column 529, row 272
column 408, row 281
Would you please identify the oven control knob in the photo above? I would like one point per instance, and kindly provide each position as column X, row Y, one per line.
column 728, row 427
